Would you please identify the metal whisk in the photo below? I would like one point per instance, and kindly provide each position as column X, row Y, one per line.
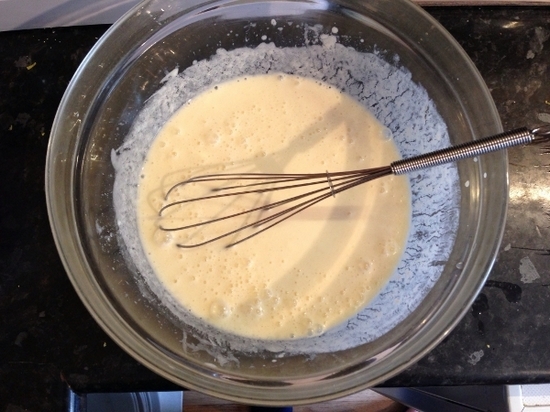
column 318, row 186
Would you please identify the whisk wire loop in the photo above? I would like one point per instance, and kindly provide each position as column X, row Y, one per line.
column 337, row 183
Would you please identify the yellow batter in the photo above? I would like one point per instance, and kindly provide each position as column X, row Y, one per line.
column 307, row 274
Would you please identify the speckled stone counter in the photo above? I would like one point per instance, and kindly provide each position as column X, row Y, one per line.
column 47, row 338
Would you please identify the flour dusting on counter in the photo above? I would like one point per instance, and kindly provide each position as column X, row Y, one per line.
column 528, row 271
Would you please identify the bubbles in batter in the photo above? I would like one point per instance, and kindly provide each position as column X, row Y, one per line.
column 305, row 275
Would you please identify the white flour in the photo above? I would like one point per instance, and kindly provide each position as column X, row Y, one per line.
column 394, row 99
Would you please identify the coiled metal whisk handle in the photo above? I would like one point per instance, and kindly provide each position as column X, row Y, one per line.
column 471, row 149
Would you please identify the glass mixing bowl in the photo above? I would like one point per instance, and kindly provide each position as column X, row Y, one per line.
column 130, row 63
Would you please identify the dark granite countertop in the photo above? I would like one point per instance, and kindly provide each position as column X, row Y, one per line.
column 48, row 339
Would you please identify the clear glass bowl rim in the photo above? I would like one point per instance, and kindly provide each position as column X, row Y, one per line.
column 60, row 180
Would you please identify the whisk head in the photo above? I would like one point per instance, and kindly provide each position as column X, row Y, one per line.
column 239, row 206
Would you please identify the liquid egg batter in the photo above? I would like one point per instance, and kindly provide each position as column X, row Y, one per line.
column 308, row 273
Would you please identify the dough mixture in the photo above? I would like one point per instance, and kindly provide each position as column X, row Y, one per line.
column 307, row 274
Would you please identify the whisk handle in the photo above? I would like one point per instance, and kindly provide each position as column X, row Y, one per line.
column 471, row 149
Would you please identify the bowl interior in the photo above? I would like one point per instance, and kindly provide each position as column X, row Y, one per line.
column 129, row 65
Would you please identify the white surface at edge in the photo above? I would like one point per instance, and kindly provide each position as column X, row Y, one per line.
column 32, row 14
column 516, row 396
